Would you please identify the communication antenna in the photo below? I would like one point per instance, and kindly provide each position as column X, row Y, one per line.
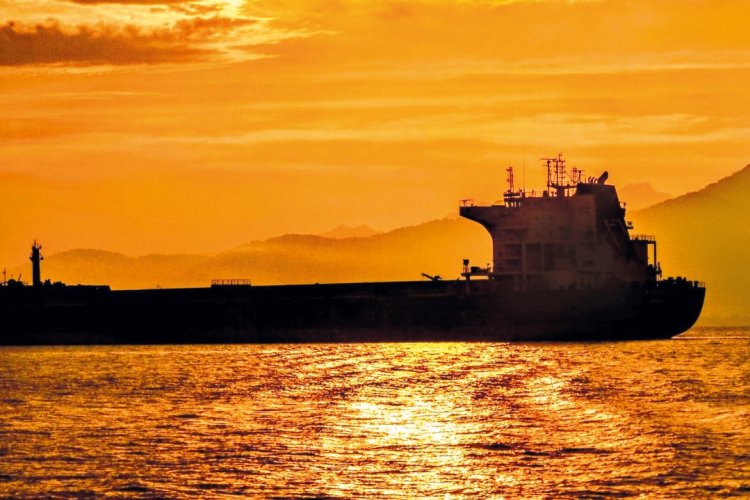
column 511, row 183
column 559, row 170
column 557, row 184
column 523, row 166
column 575, row 175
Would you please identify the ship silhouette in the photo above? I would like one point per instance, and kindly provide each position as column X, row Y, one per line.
column 565, row 268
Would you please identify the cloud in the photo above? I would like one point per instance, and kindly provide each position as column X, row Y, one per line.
column 193, row 9
column 205, row 28
column 53, row 43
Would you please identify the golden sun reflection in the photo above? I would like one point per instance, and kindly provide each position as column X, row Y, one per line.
column 410, row 425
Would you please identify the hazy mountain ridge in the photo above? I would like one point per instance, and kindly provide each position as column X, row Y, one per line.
column 90, row 266
column 401, row 254
column 704, row 236
column 727, row 189
column 343, row 231
column 641, row 195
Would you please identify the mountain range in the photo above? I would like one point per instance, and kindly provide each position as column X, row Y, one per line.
column 641, row 195
column 705, row 236
column 434, row 247
column 342, row 232
column 701, row 235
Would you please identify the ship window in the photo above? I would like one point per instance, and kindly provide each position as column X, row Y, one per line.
column 572, row 255
column 534, row 257
column 513, row 251
column 549, row 257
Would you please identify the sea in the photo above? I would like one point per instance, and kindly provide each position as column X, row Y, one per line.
column 658, row 419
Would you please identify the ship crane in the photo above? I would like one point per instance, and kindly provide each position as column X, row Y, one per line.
column 437, row 277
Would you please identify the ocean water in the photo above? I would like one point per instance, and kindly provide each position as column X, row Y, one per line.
column 658, row 418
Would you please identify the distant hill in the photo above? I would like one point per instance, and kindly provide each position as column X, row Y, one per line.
column 641, row 195
column 705, row 235
column 98, row 267
column 343, row 232
column 435, row 247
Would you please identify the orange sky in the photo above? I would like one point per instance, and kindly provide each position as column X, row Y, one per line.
column 177, row 125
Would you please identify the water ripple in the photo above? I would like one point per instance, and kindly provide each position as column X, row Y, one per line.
column 665, row 419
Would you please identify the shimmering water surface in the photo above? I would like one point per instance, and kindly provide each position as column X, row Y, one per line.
column 660, row 418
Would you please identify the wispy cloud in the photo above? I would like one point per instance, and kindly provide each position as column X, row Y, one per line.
column 575, row 130
column 634, row 63
column 380, row 103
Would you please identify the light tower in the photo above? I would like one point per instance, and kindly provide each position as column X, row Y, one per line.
column 36, row 259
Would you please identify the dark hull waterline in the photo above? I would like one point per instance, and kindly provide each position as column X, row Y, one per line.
column 477, row 310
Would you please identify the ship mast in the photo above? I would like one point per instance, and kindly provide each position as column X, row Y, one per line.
column 558, row 180
column 512, row 197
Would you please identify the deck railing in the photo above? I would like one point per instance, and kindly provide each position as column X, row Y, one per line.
column 643, row 237
column 231, row 282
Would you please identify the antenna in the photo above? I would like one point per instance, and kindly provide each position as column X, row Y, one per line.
column 575, row 175
column 510, row 180
column 512, row 197
column 560, row 186
column 559, row 170
column 523, row 166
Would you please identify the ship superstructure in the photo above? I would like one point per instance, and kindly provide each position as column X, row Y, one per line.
column 572, row 235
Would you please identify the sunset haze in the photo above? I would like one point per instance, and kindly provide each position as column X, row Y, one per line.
column 165, row 126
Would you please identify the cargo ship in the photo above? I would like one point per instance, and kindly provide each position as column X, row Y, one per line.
column 565, row 267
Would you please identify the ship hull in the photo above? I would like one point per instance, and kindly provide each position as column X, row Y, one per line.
column 359, row 312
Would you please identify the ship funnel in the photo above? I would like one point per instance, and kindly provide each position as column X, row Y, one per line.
column 603, row 178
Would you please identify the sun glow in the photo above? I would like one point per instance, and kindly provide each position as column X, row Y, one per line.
column 234, row 7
